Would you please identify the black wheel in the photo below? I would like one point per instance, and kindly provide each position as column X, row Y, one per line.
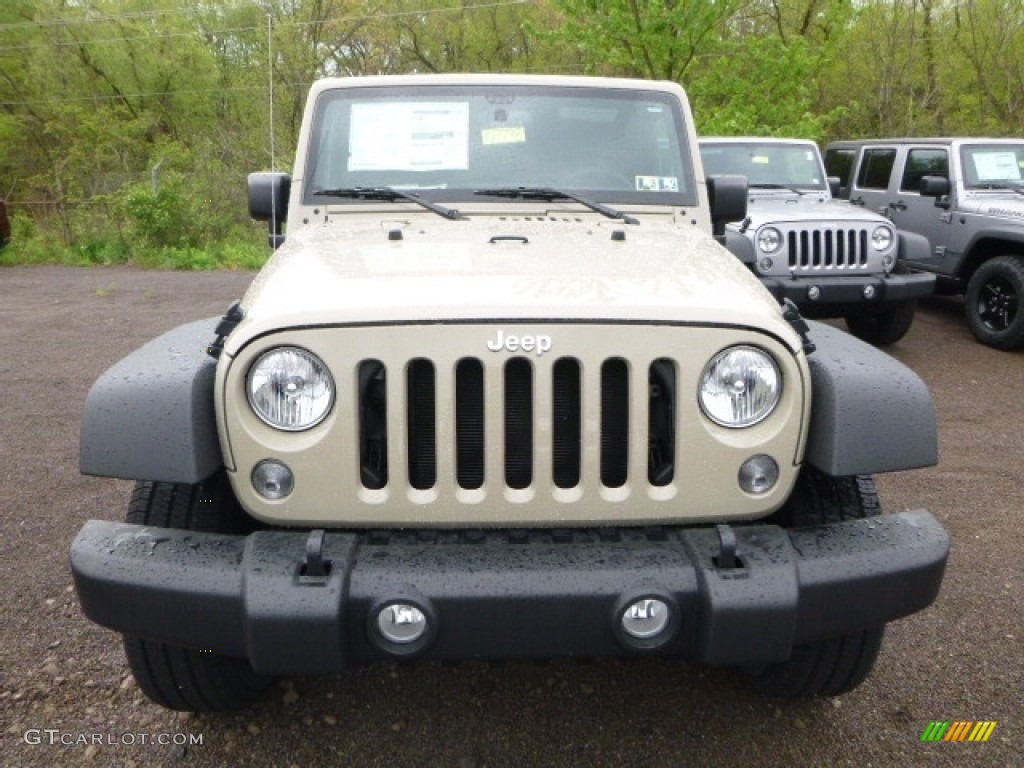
column 884, row 327
column 993, row 302
column 836, row 665
column 184, row 678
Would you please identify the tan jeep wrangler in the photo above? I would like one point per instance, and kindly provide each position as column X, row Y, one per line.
column 500, row 393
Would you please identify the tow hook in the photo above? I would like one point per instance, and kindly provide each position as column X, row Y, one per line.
column 314, row 570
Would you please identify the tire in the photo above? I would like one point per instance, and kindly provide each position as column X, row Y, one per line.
column 835, row 665
column 994, row 303
column 885, row 327
column 183, row 678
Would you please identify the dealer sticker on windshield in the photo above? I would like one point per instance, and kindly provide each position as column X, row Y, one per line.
column 657, row 184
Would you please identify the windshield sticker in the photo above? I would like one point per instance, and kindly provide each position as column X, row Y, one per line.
column 657, row 184
column 506, row 135
column 425, row 136
column 996, row 166
column 759, row 159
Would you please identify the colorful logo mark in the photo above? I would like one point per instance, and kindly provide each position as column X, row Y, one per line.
column 958, row 730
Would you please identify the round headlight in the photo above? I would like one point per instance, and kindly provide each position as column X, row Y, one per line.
column 769, row 240
column 881, row 238
column 740, row 387
column 290, row 388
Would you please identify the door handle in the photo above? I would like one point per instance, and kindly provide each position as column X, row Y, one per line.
column 899, row 205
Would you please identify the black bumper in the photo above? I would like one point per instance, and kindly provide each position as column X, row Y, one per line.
column 848, row 291
column 507, row 594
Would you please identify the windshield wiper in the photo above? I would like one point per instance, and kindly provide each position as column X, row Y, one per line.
column 800, row 192
column 999, row 187
column 389, row 194
column 547, row 194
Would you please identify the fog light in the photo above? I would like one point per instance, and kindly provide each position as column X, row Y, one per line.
column 814, row 293
column 646, row 618
column 766, row 264
column 759, row 474
column 401, row 623
column 869, row 292
column 272, row 479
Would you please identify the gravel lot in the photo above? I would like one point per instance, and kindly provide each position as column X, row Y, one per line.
column 63, row 679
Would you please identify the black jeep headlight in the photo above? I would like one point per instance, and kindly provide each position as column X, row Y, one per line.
column 290, row 388
column 740, row 387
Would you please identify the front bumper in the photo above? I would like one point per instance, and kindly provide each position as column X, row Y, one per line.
column 506, row 594
column 848, row 291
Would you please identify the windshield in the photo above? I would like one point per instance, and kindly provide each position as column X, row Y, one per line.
column 993, row 166
column 767, row 164
column 445, row 142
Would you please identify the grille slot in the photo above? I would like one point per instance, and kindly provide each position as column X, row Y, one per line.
column 469, row 423
column 538, row 427
column 422, row 444
column 518, row 423
column 614, row 422
column 373, row 426
column 661, row 422
column 827, row 249
column 566, row 424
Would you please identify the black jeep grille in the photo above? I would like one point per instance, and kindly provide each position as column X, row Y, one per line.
column 564, row 404
column 811, row 249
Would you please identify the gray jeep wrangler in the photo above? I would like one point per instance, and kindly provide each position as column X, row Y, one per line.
column 966, row 196
column 500, row 393
column 829, row 258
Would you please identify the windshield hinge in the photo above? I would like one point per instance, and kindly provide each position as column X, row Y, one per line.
column 792, row 315
column 226, row 325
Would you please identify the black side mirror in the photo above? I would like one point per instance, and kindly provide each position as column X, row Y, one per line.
column 835, row 184
column 268, row 201
column 727, row 197
column 937, row 187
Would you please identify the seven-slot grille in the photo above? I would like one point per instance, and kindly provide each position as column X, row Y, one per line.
column 571, row 400
column 840, row 248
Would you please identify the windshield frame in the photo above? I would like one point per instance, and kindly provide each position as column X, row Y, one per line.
column 501, row 97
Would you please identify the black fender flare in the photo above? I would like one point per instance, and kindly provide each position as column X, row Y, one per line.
column 914, row 248
column 740, row 246
column 151, row 416
column 870, row 413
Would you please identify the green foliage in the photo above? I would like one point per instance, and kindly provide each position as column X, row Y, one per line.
column 656, row 39
column 775, row 98
column 127, row 126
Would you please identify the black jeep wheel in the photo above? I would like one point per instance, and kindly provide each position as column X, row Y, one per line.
column 884, row 327
column 835, row 665
column 993, row 302
column 184, row 678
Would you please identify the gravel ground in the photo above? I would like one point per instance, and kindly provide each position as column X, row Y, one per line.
column 64, row 682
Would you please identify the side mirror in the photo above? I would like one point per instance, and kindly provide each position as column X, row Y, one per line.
column 835, row 184
column 268, row 201
column 937, row 187
column 727, row 196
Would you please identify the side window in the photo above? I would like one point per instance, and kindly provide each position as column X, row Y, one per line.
column 875, row 168
column 921, row 163
column 839, row 162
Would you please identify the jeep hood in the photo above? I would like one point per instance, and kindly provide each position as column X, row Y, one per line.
column 571, row 267
column 1008, row 206
column 786, row 207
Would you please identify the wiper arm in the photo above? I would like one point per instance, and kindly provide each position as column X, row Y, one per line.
column 389, row 194
column 548, row 194
column 1000, row 187
column 778, row 186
